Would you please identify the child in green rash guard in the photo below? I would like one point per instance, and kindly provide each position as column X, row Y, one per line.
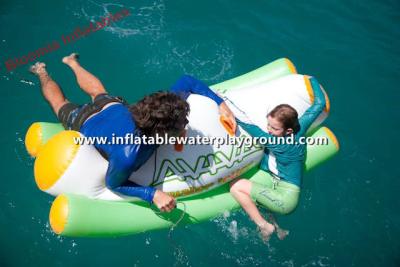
column 285, row 163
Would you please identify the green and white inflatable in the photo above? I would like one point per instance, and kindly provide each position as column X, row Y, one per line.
column 197, row 175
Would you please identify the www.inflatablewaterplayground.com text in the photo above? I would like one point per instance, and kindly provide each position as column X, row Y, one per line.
column 217, row 141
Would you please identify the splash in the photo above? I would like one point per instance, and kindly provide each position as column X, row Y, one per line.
column 228, row 224
column 20, row 151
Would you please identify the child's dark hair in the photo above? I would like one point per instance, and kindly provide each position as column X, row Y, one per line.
column 161, row 112
column 286, row 115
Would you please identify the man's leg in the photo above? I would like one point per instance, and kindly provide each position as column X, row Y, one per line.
column 87, row 81
column 50, row 89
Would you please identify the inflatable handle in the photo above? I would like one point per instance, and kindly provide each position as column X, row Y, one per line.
column 179, row 147
column 227, row 125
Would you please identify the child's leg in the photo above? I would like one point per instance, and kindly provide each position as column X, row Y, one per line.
column 240, row 190
column 87, row 81
column 50, row 89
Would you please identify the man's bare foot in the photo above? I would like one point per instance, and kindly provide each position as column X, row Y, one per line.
column 73, row 58
column 266, row 230
column 38, row 68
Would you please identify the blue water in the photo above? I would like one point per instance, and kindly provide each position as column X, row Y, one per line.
column 348, row 213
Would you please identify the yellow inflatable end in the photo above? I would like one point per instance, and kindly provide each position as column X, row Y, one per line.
column 59, row 214
column 291, row 66
column 33, row 139
column 54, row 158
column 332, row 137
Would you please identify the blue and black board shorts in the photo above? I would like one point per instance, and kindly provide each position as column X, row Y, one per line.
column 72, row 116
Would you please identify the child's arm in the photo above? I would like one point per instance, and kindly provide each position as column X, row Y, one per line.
column 256, row 131
column 315, row 110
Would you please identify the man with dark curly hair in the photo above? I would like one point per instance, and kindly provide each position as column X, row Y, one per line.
column 107, row 116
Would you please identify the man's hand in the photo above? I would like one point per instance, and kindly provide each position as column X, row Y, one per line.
column 163, row 201
column 225, row 112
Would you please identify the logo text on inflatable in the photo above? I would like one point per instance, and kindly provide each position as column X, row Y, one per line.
column 209, row 164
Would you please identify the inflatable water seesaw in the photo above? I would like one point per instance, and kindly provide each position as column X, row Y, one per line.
column 197, row 175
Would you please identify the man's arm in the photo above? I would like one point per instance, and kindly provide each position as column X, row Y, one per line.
column 187, row 85
column 316, row 108
column 118, row 172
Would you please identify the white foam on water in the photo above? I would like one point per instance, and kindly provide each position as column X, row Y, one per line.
column 242, row 260
column 145, row 20
column 165, row 52
column 212, row 66
column 148, row 241
column 53, row 240
column 322, row 261
column 27, row 82
column 181, row 258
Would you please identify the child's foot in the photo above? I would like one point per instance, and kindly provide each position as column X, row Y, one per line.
column 73, row 58
column 38, row 68
column 281, row 233
column 266, row 230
